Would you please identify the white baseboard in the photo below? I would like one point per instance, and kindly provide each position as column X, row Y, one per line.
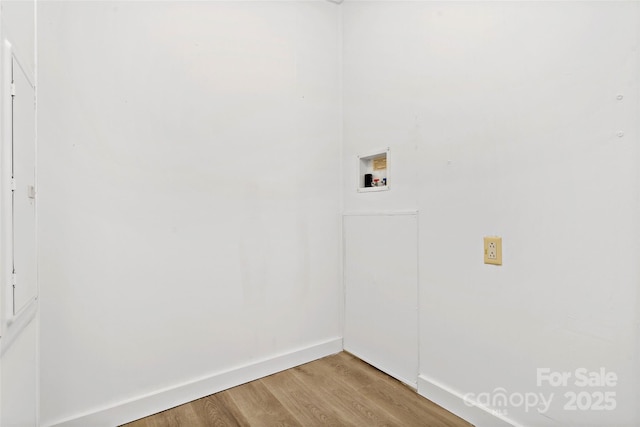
column 454, row 402
column 160, row 400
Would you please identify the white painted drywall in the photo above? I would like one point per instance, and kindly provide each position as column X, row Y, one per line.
column 144, row 285
column 505, row 117
column 189, row 193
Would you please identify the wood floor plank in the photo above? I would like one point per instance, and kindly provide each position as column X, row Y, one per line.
column 296, row 397
column 338, row 390
column 352, row 407
column 401, row 404
column 260, row 407
column 218, row 411
column 183, row 415
column 389, row 394
column 349, row 369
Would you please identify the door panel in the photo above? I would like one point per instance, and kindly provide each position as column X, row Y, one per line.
column 381, row 305
column 24, row 214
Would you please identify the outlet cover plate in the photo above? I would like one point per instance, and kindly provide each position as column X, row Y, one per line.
column 493, row 250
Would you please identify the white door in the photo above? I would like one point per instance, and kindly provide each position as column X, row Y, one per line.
column 381, row 304
column 24, row 214
column 18, row 348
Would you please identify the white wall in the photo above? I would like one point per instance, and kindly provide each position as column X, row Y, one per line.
column 189, row 217
column 504, row 118
column 189, row 193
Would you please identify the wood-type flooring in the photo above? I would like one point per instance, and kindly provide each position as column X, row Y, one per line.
column 338, row 390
